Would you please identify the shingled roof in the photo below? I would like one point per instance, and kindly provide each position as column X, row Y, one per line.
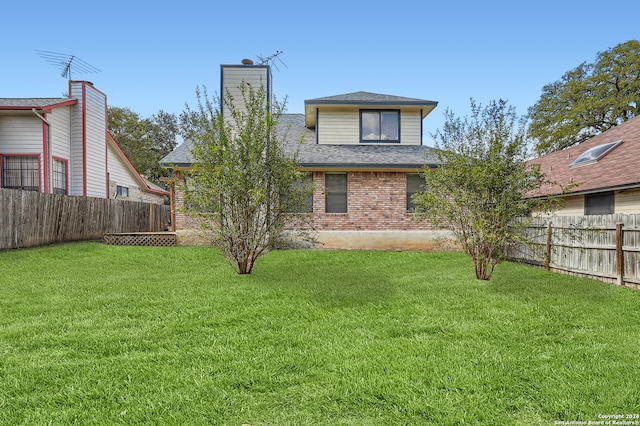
column 292, row 128
column 29, row 103
column 618, row 169
column 369, row 99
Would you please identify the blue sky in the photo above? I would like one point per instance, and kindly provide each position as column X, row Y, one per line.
column 152, row 56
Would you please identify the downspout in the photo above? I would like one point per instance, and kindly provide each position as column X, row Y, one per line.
column 47, row 171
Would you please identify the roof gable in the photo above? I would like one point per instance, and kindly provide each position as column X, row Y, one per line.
column 291, row 127
column 616, row 169
column 365, row 99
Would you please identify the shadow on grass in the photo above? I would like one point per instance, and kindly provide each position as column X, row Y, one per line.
column 331, row 278
column 352, row 289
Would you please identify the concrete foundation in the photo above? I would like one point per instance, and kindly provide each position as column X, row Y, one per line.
column 432, row 240
column 387, row 240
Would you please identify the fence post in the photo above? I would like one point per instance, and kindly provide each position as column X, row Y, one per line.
column 619, row 254
column 547, row 254
column 151, row 218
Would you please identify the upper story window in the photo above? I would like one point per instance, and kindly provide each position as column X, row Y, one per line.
column 21, row 172
column 379, row 126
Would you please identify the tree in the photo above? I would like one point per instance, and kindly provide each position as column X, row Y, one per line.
column 244, row 186
column 588, row 100
column 145, row 141
column 481, row 186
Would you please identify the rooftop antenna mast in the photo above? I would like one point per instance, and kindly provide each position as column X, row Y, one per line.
column 66, row 63
column 271, row 60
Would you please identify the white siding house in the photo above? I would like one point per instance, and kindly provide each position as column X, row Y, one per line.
column 60, row 145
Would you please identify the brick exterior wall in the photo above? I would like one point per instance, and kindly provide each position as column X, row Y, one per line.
column 376, row 201
column 183, row 221
column 137, row 194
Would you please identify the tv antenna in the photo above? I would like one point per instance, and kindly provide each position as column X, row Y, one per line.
column 66, row 63
column 271, row 60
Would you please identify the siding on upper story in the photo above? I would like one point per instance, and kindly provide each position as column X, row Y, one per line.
column 21, row 134
column 232, row 76
column 341, row 126
column 89, row 150
column 119, row 172
column 60, row 132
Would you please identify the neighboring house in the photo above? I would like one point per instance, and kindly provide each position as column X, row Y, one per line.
column 363, row 153
column 62, row 146
column 604, row 172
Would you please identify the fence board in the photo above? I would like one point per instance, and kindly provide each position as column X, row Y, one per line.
column 29, row 219
column 585, row 245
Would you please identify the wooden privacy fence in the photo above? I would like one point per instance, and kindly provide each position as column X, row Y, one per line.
column 29, row 219
column 604, row 247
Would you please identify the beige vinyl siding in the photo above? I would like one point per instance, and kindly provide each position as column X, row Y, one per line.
column 410, row 126
column 627, row 202
column 338, row 126
column 574, row 206
column 341, row 126
column 233, row 76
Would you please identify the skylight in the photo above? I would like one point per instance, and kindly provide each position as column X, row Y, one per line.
column 592, row 155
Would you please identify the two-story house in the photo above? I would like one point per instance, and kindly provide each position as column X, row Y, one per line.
column 362, row 151
column 63, row 146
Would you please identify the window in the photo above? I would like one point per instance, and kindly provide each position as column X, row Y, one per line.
column 598, row 203
column 59, row 176
column 21, row 172
column 379, row 126
column 592, row 155
column 122, row 191
column 415, row 183
column 335, row 193
column 304, row 205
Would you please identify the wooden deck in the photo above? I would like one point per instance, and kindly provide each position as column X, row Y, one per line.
column 157, row 239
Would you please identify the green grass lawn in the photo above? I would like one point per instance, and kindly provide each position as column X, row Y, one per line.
column 96, row 334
